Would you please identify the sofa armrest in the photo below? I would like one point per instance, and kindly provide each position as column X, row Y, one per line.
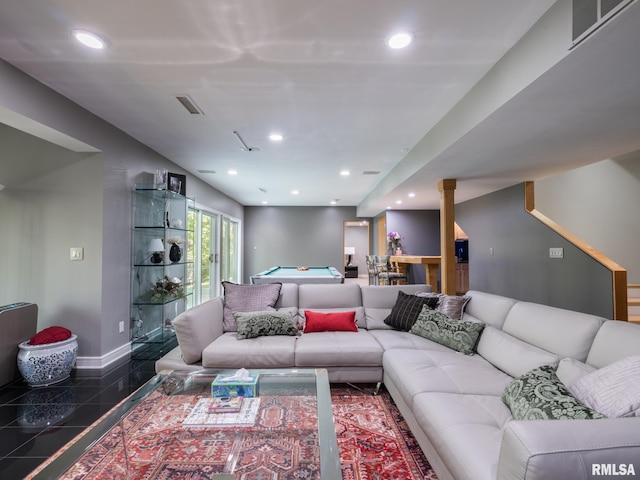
column 198, row 327
column 576, row 449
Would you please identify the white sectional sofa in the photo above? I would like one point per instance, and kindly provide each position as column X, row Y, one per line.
column 451, row 401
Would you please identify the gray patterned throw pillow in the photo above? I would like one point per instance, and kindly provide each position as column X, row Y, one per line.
column 265, row 323
column 458, row 335
column 540, row 395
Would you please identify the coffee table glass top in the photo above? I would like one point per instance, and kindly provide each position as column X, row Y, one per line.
column 165, row 429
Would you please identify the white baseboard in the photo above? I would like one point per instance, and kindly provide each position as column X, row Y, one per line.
column 98, row 363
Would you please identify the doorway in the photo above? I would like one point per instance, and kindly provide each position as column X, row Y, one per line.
column 356, row 246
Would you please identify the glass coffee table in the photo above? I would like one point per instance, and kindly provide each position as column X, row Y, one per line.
column 165, row 430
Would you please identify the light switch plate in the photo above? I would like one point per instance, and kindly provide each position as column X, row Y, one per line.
column 556, row 252
column 76, row 254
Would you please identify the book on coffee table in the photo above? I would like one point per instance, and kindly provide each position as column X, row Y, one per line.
column 225, row 404
column 201, row 416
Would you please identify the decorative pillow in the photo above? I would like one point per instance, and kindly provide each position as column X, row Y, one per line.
column 330, row 322
column 458, row 335
column 50, row 335
column 247, row 298
column 540, row 395
column 406, row 310
column 613, row 390
column 452, row 305
column 265, row 323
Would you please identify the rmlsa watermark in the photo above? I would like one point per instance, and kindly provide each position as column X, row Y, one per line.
column 612, row 469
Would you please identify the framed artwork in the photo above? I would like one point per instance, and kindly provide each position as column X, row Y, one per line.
column 177, row 183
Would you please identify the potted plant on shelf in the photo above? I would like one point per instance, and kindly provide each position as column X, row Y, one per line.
column 164, row 290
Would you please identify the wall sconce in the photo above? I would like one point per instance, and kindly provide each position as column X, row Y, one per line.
column 349, row 251
column 156, row 249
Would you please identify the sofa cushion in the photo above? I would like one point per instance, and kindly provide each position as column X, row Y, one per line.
column 330, row 321
column 563, row 332
column 540, row 395
column 613, row 390
column 452, row 305
column 416, row 371
column 247, row 298
column 227, row 351
column 614, row 341
column 405, row 311
column 329, row 349
column 488, row 308
column 258, row 324
column 458, row 335
column 393, row 339
column 195, row 329
column 332, row 297
column 511, row 355
column 458, row 423
column 569, row 370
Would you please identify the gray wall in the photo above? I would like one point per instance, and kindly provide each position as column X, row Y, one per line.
column 599, row 203
column 299, row 236
column 85, row 202
column 420, row 230
column 520, row 266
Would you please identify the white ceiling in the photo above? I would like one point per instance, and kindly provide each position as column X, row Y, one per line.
column 320, row 74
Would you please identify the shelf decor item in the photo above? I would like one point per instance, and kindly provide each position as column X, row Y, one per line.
column 175, row 252
column 156, row 249
column 394, row 242
column 164, row 290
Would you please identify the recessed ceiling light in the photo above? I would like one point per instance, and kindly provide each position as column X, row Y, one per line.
column 334, row 202
column 389, row 208
column 411, row 195
column 264, row 202
column 232, row 172
column 294, row 192
column 89, row 39
column 399, row 40
column 398, row 202
column 345, row 173
column 276, row 137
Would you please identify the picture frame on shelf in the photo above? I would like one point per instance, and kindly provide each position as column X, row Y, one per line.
column 177, row 183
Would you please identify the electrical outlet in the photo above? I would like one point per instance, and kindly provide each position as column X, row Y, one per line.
column 121, row 327
column 556, row 252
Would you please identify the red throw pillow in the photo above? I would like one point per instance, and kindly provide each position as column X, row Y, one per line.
column 50, row 335
column 330, row 322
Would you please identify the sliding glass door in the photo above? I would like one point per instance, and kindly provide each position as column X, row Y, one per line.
column 213, row 253
column 229, row 264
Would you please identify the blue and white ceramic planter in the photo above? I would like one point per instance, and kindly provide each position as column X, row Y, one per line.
column 42, row 365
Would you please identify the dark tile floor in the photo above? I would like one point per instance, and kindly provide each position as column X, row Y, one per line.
column 36, row 422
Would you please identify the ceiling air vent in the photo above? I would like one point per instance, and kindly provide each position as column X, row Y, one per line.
column 206, row 171
column 371, row 172
column 189, row 104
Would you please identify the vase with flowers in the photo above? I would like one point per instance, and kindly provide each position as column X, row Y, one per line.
column 394, row 243
column 175, row 252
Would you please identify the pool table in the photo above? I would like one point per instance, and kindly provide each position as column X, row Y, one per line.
column 294, row 275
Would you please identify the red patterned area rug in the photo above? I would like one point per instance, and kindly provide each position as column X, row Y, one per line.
column 375, row 441
column 151, row 444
